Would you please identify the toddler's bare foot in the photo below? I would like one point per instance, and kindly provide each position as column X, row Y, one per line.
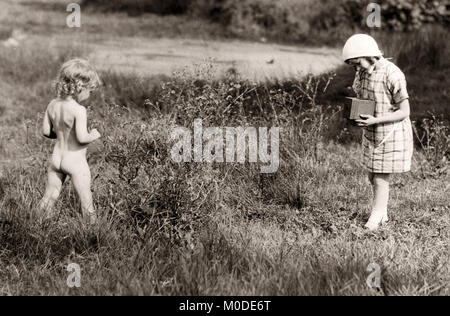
column 91, row 218
column 49, row 214
column 44, row 212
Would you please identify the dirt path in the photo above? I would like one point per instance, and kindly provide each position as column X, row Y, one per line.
column 254, row 61
column 148, row 54
column 251, row 60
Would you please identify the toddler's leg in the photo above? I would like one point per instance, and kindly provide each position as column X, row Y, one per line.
column 54, row 185
column 380, row 200
column 82, row 183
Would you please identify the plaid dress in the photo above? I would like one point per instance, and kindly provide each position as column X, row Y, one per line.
column 387, row 147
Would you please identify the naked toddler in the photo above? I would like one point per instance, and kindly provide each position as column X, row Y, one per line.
column 65, row 120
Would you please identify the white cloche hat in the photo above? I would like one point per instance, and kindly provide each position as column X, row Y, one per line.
column 360, row 45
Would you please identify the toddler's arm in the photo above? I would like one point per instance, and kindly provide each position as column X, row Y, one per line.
column 47, row 128
column 83, row 136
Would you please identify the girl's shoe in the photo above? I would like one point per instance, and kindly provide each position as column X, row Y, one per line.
column 376, row 220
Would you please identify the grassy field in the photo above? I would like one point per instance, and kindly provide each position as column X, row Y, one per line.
column 218, row 229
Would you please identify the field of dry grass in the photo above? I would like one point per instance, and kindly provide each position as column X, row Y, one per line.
column 210, row 229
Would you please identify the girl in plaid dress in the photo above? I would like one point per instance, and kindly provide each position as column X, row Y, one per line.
column 387, row 136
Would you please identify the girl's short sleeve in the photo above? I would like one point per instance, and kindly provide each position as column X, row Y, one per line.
column 396, row 82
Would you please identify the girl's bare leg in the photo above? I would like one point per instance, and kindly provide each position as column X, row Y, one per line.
column 82, row 182
column 52, row 191
column 380, row 200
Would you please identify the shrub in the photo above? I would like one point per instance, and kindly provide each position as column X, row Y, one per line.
column 269, row 19
column 410, row 15
column 324, row 21
column 136, row 7
column 399, row 15
column 215, row 10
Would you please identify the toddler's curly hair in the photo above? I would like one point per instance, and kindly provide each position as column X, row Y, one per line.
column 74, row 76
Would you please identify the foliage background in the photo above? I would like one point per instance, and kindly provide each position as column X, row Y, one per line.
column 291, row 20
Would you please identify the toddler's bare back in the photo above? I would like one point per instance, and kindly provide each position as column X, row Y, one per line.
column 62, row 115
column 67, row 120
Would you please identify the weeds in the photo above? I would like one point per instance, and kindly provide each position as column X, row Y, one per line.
column 433, row 135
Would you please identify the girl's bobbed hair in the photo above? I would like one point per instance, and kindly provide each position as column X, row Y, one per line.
column 74, row 76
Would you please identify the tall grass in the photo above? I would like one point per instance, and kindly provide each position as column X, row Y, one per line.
column 426, row 49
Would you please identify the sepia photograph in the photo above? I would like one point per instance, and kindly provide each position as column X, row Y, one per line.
column 225, row 153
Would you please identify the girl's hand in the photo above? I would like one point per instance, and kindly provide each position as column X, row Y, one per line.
column 367, row 120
